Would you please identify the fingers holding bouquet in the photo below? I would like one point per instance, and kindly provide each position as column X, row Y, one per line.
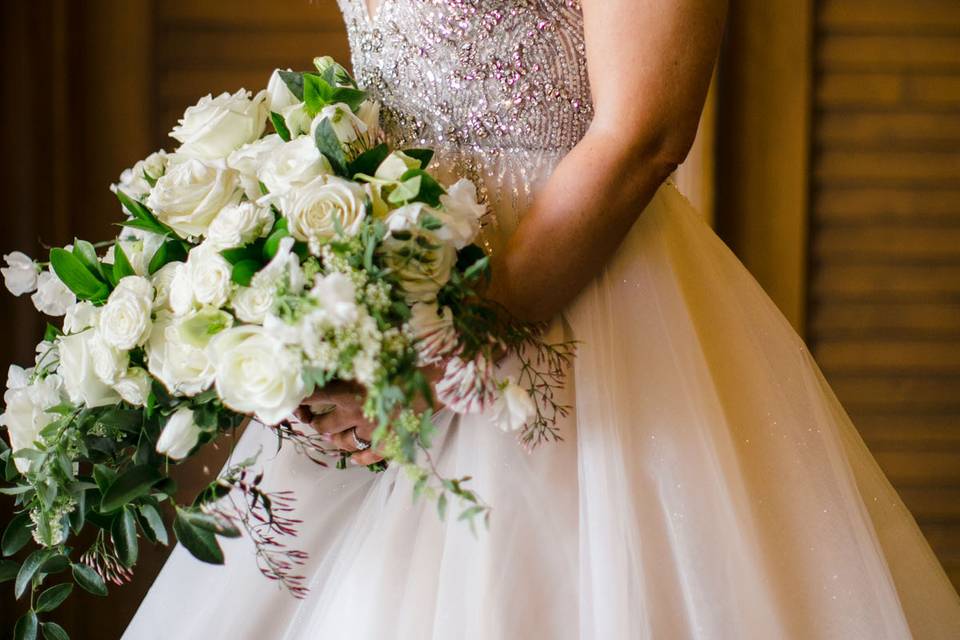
column 336, row 413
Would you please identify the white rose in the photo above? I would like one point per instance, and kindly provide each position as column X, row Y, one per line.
column 162, row 281
column 191, row 194
column 347, row 126
column 20, row 274
column 238, row 224
column 210, row 275
column 337, row 299
column 108, row 361
column 134, row 386
column 133, row 181
column 79, row 377
column 180, row 298
column 433, row 331
column 279, row 95
column 257, row 373
column 124, row 322
column 214, row 127
column 182, row 368
column 179, row 436
column 52, row 296
column 460, row 214
column 251, row 304
column 25, row 415
column 248, row 159
column 316, row 211
column 421, row 265
column 292, row 165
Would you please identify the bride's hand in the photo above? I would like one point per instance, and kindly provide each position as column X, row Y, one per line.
column 336, row 413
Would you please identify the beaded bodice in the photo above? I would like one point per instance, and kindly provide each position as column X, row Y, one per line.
column 478, row 75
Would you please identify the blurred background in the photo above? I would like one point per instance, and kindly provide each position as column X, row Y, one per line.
column 828, row 159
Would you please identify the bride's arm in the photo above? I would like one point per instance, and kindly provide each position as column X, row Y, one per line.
column 650, row 63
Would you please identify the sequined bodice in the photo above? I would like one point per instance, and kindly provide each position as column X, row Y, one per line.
column 474, row 74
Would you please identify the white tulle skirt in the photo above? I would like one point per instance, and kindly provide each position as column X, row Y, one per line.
column 710, row 486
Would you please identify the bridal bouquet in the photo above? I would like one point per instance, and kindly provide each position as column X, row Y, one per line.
column 250, row 271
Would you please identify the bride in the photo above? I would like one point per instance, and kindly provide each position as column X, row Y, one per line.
column 709, row 485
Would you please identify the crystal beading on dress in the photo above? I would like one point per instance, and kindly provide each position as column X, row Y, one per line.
column 498, row 87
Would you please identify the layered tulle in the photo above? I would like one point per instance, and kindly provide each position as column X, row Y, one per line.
column 709, row 486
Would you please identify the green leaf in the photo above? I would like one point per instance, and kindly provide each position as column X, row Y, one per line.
column 430, row 189
column 317, row 93
column 329, row 145
column 152, row 522
column 8, row 570
column 121, row 264
column 252, row 251
column 219, row 526
column 442, row 506
column 272, row 245
column 139, row 211
column 423, row 155
column 77, row 277
column 294, row 82
column 16, row 535
column 55, row 564
column 351, row 97
column 14, row 491
column 53, row 631
column 103, row 476
column 199, row 542
column 133, row 484
column 26, row 628
column 406, row 191
column 169, row 251
column 280, row 126
column 135, row 223
column 124, row 535
column 244, row 271
column 79, row 514
column 118, row 418
column 87, row 254
column 28, row 570
column 51, row 333
column 368, row 161
column 53, row 597
column 89, row 580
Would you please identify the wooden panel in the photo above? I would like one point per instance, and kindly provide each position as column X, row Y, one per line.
column 764, row 145
column 200, row 48
column 884, row 293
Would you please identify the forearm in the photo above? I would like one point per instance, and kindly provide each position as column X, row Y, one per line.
column 577, row 221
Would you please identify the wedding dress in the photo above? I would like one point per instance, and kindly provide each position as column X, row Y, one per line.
column 709, row 484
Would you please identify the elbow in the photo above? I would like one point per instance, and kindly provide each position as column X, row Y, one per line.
column 521, row 305
column 653, row 149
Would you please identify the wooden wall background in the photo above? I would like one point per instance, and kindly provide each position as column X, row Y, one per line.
column 870, row 157
column 884, row 294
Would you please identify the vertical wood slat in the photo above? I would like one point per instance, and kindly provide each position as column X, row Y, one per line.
column 763, row 145
column 884, row 298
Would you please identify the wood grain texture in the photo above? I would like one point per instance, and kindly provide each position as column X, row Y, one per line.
column 764, row 144
column 89, row 88
column 884, row 295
